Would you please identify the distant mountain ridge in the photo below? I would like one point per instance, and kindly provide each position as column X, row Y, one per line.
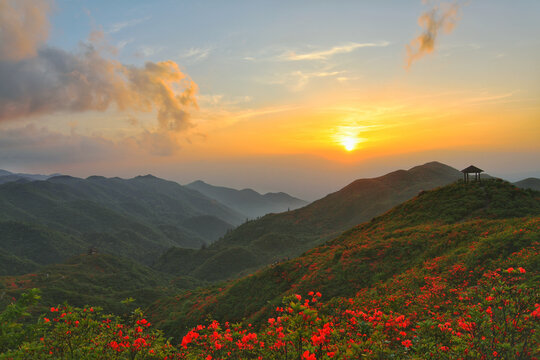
column 288, row 234
column 247, row 201
column 138, row 218
column 529, row 183
column 7, row 176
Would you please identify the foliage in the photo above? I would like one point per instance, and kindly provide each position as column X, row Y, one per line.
column 97, row 279
column 83, row 333
column 446, row 318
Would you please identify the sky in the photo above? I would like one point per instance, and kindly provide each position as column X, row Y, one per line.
column 295, row 96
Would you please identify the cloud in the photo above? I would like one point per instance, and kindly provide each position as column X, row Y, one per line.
column 197, row 54
column 116, row 27
column 442, row 17
column 49, row 80
column 297, row 80
column 147, row 51
column 123, row 43
column 23, row 27
column 303, row 77
column 32, row 144
column 161, row 144
column 220, row 100
column 489, row 98
column 324, row 54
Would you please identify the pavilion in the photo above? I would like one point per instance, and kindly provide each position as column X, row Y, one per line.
column 471, row 170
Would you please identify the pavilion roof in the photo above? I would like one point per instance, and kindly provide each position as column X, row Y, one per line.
column 472, row 169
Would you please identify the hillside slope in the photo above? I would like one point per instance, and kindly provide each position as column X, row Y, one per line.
column 480, row 226
column 278, row 236
column 247, row 201
column 92, row 279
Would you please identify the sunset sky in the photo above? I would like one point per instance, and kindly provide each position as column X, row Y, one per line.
column 294, row 96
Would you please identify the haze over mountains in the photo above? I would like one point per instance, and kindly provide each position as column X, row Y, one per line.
column 247, row 201
column 7, row 176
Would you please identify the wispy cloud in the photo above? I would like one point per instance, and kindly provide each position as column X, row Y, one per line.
column 116, row 27
column 489, row 98
column 196, row 54
column 325, row 54
column 274, row 54
column 305, row 77
column 146, row 51
column 222, row 100
column 123, row 43
column 297, row 80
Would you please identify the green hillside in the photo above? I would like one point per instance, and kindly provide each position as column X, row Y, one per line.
column 31, row 245
column 480, row 226
column 138, row 218
column 275, row 237
column 92, row 279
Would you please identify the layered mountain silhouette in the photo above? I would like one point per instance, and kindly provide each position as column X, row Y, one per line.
column 275, row 237
column 247, row 201
column 46, row 221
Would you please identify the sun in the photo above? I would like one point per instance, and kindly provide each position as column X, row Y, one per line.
column 348, row 135
column 349, row 143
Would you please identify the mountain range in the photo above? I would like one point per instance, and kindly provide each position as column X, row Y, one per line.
column 47, row 221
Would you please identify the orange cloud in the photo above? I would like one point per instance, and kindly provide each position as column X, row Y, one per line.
column 441, row 17
column 23, row 27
